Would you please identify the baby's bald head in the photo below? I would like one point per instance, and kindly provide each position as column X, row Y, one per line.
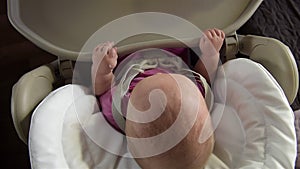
column 175, row 133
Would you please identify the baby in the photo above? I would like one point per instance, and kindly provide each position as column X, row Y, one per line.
column 175, row 93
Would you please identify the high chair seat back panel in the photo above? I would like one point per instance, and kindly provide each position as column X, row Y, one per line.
column 280, row 20
column 255, row 131
column 62, row 27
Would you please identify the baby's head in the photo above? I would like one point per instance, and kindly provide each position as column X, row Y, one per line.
column 181, row 137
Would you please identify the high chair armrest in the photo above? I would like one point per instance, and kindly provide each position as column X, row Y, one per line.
column 276, row 57
column 26, row 94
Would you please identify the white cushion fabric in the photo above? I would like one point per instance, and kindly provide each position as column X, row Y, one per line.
column 58, row 137
column 255, row 131
column 297, row 126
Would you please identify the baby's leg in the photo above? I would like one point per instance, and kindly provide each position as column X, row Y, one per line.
column 210, row 46
column 104, row 61
column 184, row 104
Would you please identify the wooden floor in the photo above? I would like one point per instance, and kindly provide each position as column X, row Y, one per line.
column 17, row 56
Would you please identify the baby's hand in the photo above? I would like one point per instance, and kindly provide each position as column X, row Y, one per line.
column 212, row 42
column 105, row 57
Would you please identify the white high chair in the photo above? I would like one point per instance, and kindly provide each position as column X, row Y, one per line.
column 264, row 138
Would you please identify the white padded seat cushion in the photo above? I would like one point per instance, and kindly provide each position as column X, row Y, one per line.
column 58, row 139
column 256, row 129
column 257, row 126
column 297, row 126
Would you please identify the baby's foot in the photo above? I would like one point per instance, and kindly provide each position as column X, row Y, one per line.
column 105, row 57
column 215, row 37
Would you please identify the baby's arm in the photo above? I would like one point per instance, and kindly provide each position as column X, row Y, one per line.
column 104, row 61
column 210, row 46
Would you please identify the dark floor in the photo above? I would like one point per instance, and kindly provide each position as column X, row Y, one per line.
column 17, row 56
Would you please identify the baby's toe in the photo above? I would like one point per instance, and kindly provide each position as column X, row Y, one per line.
column 208, row 34
column 213, row 34
column 112, row 56
column 219, row 33
column 112, row 53
column 222, row 35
